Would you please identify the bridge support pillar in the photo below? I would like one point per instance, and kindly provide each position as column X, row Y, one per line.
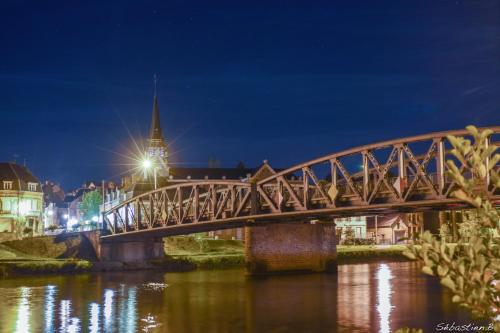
column 291, row 247
column 132, row 250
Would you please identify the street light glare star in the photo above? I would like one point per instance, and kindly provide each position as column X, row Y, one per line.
column 146, row 164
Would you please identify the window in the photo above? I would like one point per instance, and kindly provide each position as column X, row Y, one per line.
column 32, row 187
column 6, row 205
column 7, row 185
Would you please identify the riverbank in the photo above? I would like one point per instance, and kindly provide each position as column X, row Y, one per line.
column 14, row 262
column 183, row 253
column 186, row 253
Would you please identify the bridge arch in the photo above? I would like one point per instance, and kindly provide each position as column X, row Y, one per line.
column 396, row 175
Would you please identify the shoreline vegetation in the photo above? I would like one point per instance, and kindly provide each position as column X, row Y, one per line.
column 183, row 253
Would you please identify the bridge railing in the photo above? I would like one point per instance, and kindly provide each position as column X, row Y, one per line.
column 391, row 173
column 181, row 204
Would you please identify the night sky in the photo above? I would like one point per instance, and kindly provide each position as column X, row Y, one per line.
column 285, row 81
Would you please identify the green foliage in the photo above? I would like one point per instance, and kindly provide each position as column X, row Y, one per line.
column 27, row 230
column 90, row 204
column 470, row 268
column 445, row 231
column 467, row 226
column 348, row 236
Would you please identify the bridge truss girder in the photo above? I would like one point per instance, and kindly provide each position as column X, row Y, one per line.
column 401, row 180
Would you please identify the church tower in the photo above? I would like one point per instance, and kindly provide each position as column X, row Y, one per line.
column 157, row 148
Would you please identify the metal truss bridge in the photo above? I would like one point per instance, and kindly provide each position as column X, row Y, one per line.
column 403, row 175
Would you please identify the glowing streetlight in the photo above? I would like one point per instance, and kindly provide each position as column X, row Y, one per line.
column 147, row 164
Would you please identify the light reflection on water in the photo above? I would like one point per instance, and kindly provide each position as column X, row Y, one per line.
column 384, row 292
column 23, row 311
column 108, row 309
column 358, row 299
column 94, row 318
column 49, row 307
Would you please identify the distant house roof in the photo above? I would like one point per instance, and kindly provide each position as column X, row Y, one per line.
column 179, row 174
column 52, row 193
column 384, row 220
column 19, row 175
column 262, row 171
column 210, row 173
column 76, row 194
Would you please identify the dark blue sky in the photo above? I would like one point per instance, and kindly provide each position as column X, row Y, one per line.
column 282, row 80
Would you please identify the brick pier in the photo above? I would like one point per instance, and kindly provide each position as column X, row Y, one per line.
column 132, row 250
column 291, row 247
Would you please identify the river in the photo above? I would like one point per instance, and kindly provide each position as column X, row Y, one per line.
column 375, row 297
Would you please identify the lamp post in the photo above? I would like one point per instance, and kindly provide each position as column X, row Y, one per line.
column 147, row 164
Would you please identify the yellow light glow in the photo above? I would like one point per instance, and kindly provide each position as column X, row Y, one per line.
column 384, row 291
column 23, row 311
column 24, row 207
column 146, row 164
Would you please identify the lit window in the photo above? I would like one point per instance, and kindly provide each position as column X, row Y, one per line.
column 6, row 206
column 7, row 185
column 32, row 187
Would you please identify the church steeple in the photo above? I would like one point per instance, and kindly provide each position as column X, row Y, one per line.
column 157, row 148
column 155, row 132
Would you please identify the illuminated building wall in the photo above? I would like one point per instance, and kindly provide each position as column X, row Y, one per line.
column 21, row 202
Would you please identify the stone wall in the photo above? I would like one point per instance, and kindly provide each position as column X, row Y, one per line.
column 290, row 247
column 132, row 251
column 81, row 245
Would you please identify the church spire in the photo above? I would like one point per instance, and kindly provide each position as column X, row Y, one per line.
column 157, row 148
column 156, row 132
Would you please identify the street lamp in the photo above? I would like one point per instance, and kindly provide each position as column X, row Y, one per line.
column 147, row 164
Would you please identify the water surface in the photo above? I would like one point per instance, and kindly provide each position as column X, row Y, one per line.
column 375, row 297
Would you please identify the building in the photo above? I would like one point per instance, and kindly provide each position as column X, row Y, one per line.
column 156, row 151
column 389, row 229
column 54, row 207
column 356, row 223
column 156, row 172
column 21, row 202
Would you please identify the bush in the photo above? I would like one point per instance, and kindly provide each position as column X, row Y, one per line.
column 27, row 230
column 357, row 241
column 52, row 227
column 364, row 241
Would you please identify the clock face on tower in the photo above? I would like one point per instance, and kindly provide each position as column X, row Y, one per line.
column 157, row 152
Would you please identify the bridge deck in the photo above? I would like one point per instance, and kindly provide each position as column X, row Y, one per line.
column 411, row 175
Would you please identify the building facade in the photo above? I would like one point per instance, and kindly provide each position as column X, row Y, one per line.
column 21, row 202
column 355, row 223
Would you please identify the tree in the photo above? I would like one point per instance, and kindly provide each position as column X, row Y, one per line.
column 90, row 204
column 471, row 267
column 27, row 231
column 349, row 236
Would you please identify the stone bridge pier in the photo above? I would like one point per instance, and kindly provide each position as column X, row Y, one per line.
column 132, row 250
column 291, row 247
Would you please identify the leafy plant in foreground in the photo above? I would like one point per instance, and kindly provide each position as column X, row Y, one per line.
column 470, row 268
